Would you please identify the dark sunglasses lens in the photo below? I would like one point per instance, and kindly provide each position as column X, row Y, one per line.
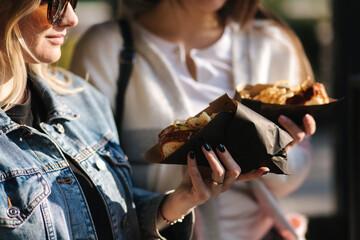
column 57, row 8
column 74, row 3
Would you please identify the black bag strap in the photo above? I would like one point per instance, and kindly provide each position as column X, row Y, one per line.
column 127, row 58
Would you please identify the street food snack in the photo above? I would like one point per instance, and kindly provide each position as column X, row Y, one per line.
column 283, row 93
column 282, row 98
column 252, row 140
column 175, row 135
column 313, row 94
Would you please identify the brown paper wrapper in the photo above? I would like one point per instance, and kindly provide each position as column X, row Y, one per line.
column 273, row 111
column 252, row 140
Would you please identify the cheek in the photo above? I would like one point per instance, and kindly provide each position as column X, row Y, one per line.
column 43, row 51
column 34, row 24
column 41, row 18
column 33, row 30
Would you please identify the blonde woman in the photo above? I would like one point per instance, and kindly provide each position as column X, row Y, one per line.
column 188, row 53
column 62, row 172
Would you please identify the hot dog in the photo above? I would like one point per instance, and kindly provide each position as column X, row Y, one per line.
column 174, row 136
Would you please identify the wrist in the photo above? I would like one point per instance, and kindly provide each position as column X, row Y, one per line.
column 170, row 222
column 173, row 209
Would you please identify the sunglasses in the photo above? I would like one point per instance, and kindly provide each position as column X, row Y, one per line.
column 56, row 9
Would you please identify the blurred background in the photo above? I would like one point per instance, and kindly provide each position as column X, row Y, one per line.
column 330, row 33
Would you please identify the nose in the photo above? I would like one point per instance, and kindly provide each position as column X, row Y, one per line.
column 69, row 19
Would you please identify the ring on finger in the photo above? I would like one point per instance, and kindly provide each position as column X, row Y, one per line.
column 217, row 182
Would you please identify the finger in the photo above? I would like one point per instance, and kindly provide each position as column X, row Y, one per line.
column 218, row 171
column 293, row 129
column 256, row 173
column 197, row 181
column 309, row 124
column 233, row 170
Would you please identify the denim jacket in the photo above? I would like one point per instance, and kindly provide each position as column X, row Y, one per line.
column 39, row 196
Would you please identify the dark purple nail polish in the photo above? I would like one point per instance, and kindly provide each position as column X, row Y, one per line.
column 207, row 147
column 221, row 148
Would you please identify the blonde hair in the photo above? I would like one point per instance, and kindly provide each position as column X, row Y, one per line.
column 244, row 12
column 11, row 55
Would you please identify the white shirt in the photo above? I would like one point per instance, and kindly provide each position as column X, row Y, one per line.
column 213, row 68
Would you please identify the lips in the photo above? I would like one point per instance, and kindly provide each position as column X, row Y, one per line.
column 56, row 39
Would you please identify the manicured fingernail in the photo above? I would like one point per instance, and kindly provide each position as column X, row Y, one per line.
column 192, row 154
column 207, row 147
column 221, row 148
column 266, row 172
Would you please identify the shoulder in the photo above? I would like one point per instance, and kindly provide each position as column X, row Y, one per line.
column 98, row 47
column 88, row 100
column 108, row 27
column 79, row 88
column 101, row 34
column 90, row 90
column 268, row 34
column 264, row 32
column 92, row 107
column 268, row 30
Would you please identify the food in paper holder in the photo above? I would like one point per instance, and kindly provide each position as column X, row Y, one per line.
column 273, row 100
column 252, row 140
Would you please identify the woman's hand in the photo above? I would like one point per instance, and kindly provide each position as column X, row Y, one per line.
column 298, row 133
column 201, row 183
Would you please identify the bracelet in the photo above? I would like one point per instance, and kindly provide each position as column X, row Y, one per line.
column 171, row 222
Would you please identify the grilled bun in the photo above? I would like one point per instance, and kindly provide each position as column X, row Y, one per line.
column 171, row 139
column 174, row 136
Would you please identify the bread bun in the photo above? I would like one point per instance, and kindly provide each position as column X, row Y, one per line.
column 174, row 136
column 170, row 140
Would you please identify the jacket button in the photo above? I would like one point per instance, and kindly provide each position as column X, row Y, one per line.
column 124, row 221
column 13, row 212
column 59, row 128
column 100, row 164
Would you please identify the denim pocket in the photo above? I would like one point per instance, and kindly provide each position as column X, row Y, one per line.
column 114, row 155
column 21, row 193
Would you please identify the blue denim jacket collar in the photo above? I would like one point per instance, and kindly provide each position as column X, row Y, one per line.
column 56, row 108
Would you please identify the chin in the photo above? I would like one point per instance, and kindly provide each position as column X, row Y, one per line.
column 50, row 58
column 211, row 6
